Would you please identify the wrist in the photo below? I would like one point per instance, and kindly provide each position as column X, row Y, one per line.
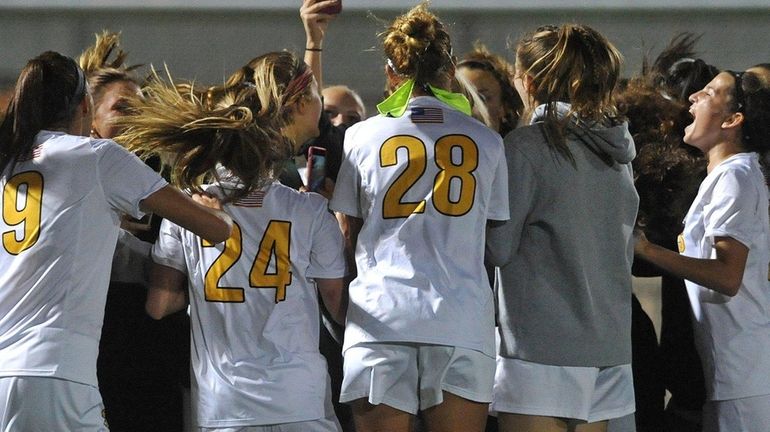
column 314, row 41
column 313, row 48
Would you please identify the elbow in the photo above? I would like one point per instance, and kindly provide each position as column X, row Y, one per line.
column 154, row 311
column 498, row 258
column 497, row 254
column 730, row 287
column 220, row 231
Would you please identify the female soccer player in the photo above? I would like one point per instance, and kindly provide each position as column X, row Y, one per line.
column 725, row 250
column 140, row 371
column 254, row 299
column 63, row 194
column 418, row 184
column 565, row 290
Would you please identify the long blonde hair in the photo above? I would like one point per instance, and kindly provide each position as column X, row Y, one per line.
column 239, row 131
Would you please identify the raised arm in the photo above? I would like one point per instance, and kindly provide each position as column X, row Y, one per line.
column 315, row 24
column 212, row 224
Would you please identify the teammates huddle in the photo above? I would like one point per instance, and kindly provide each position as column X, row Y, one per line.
column 424, row 195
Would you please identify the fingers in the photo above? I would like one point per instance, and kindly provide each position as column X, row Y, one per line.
column 207, row 200
column 311, row 10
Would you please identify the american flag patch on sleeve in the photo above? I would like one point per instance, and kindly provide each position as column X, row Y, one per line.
column 34, row 154
column 427, row 115
column 253, row 199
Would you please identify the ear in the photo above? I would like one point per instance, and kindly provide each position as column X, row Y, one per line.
column 299, row 107
column 529, row 83
column 393, row 79
column 85, row 104
column 733, row 120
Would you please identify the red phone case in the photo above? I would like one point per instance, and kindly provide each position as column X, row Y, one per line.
column 315, row 174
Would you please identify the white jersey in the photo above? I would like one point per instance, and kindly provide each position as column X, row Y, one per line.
column 425, row 185
column 61, row 213
column 732, row 334
column 254, row 308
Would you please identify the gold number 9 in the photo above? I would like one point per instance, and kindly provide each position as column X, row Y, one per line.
column 22, row 204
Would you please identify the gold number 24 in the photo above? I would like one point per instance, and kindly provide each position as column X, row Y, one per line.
column 27, row 187
column 274, row 244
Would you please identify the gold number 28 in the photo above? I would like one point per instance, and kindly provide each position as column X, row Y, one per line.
column 394, row 205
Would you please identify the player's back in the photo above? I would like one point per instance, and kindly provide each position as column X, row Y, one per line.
column 255, row 309
column 59, row 232
column 425, row 185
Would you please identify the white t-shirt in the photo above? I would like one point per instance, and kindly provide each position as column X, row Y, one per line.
column 255, row 347
column 732, row 334
column 61, row 216
column 425, row 185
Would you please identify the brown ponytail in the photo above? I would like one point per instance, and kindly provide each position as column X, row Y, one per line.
column 573, row 64
column 47, row 93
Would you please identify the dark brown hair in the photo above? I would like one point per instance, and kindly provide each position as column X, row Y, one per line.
column 47, row 94
column 502, row 71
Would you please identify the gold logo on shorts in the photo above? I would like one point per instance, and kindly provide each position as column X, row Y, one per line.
column 680, row 243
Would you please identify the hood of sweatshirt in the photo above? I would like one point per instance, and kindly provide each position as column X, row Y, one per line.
column 613, row 140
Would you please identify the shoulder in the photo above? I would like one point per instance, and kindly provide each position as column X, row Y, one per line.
column 528, row 142
column 102, row 145
column 740, row 169
column 309, row 200
column 57, row 142
column 529, row 136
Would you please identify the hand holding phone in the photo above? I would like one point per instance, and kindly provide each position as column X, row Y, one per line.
column 332, row 10
column 316, row 168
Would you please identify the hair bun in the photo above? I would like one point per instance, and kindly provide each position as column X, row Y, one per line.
column 418, row 45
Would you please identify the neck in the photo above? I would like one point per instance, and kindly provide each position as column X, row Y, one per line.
column 721, row 152
column 291, row 133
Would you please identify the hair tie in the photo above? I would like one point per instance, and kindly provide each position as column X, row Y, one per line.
column 297, row 85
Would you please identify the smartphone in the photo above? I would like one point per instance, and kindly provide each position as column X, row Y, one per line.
column 332, row 10
column 316, row 168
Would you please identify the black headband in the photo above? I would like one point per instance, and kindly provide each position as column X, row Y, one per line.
column 740, row 98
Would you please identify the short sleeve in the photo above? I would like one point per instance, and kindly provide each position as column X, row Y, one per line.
column 347, row 189
column 168, row 249
column 498, row 203
column 327, row 258
column 732, row 211
column 125, row 179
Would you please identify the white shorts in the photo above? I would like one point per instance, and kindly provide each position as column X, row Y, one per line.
column 586, row 394
column 328, row 424
column 751, row 414
column 31, row 403
column 411, row 377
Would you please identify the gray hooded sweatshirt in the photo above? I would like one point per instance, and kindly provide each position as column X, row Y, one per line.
column 564, row 283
